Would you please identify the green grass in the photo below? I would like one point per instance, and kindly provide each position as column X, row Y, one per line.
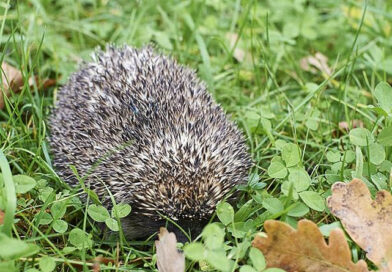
column 274, row 99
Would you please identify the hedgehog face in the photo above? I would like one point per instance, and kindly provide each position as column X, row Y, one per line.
column 185, row 193
column 143, row 226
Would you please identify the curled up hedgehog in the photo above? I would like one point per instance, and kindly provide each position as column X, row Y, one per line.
column 144, row 127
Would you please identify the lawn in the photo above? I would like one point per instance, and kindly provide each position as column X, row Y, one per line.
column 298, row 77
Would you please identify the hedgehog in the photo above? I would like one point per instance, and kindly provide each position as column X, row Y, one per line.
column 137, row 124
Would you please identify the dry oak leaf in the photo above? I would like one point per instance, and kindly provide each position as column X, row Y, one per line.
column 367, row 221
column 305, row 249
column 168, row 257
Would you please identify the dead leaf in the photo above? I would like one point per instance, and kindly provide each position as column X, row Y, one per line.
column 1, row 217
column 96, row 267
column 238, row 53
column 305, row 249
column 12, row 80
column 367, row 221
column 97, row 261
column 168, row 257
column 319, row 61
column 354, row 123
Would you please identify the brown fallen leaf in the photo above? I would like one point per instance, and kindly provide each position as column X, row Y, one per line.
column 168, row 257
column 305, row 249
column 367, row 221
column 319, row 61
column 1, row 217
column 12, row 80
column 238, row 53
column 96, row 267
column 354, row 124
column 95, row 263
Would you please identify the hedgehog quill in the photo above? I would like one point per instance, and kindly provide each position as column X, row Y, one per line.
column 173, row 151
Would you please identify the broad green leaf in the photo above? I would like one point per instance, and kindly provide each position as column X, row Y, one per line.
column 313, row 200
column 238, row 229
column 225, row 213
column 44, row 193
column 60, row 226
column 273, row 205
column 9, row 266
column 112, row 224
column 327, row 228
column 257, row 259
column 243, row 213
column 291, row 154
column 247, row 268
column 253, row 120
column 254, row 178
column 377, row 153
column 333, row 156
column 378, row 110
column 194, row 251
column 286, row 185
column 45, row 219
column 358, row 163
column 300, row 179
column 79, row 239
column 383, row 94
column 279, row 144
column 58, row 209
column 386, row 166
column 298, row 210
column 23, row 183
column 163, row 40
column 122, row 210
column 68, row 250
column 277, row 170
column 98, row 213
column 385, row 137
column 349, row 156
column 312, row 122
column 241, row 249
column 15, row 248
column 361, row 137
column 47, row 264
column 213, row 236
column 380, row 181
column 219, row 260
column 28, row 270
column 266, row 124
